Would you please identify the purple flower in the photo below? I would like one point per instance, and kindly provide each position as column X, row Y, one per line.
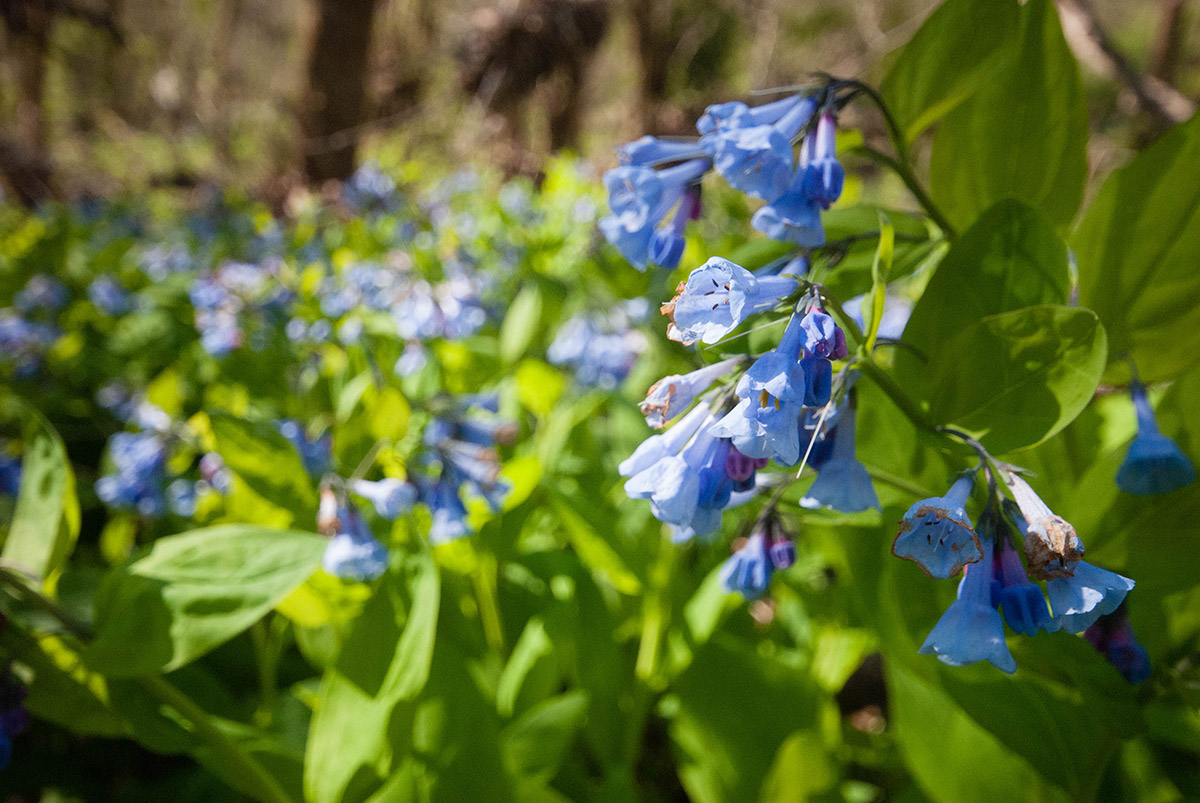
column 822, row 337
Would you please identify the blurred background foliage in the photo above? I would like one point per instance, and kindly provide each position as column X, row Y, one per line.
column 614, row 667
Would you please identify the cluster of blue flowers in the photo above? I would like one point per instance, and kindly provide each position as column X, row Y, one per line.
column 656, row 190
column 458, row 459
column 997, row 587
column 29, row 328
column 140, row 481
column 601, row 347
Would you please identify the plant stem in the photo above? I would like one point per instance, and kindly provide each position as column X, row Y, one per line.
column 222, row 746
column 484, row 579
column 909, row 178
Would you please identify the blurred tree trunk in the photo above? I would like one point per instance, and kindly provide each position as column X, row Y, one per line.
column 29, row 23
column 652, row 21
column 337, row 71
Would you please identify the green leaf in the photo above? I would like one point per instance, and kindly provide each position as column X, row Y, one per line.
column 188, row 593
column 1009, row 259
column 951, row 756
column 881, row 267
column 267, row 462
column 45, row 522
column 521, row 324
column 536, row 743
column 1016, row 378
column 726, row 733
column 365, row 706
column 1138, row 246
column 950, row 57
column 1022, row 135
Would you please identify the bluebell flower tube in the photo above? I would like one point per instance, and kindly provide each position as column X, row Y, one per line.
column 718, row 296
column 936, row 533
column 1154, row 463
column 843, row 482
column 971, row 629
column 671, row 395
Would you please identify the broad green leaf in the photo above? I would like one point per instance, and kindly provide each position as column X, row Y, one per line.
column 369, row 692
column 1138, row 246
column 531, row 648
column 267, row 462
column 951, row 756
column 536, row 743
column 1016, row 378
column 45, row 522
column 726, row 733
column 1009, row 259
column 521, row 324
column 1022, row 135
column 802, row 770
column 951, row 56
column 66, row 692
column 188, row 593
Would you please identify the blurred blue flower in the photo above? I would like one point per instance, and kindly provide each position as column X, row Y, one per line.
column 748, row 571
column 936, row 533
column 650, row 151
column 10, row 473
column 1087, row 594
column 353, row 552
column 1113, row 637
column 1154, row 463
column 971, row 629
column 109, row 297
column 42, row 293
column 390, row 497
column 639, row 198
column 735, row 114
column 314, row 453
column 823, row 175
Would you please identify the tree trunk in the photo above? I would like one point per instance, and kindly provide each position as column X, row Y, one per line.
column 337, row 68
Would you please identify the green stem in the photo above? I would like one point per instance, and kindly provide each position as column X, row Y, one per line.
column 484, row 579
column 909, row 178
column 901, row 399
column 17, row 586
column 655, row 618
column 224, row 748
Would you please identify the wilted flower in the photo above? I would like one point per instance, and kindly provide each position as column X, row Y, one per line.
column 671, row 395
column 1051, row 544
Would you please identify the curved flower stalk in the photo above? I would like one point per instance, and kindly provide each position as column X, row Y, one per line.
column 936, row 533
column 1154, row 463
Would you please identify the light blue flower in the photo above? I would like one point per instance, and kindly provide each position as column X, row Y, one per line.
column 449, row 514
column 778, row 373
column 764, row 428
column 639, row 198
column 824, row 175
column 735, row 114
column 671, row 395
column 673, row 484
column 757, row 159
column 971, row 629
column 718, row 296
column 390, row 497
column 649, row 151
column 353, row 553
column 818, row 381
column 1154, row 463
column 792, row 217
column 843, row 483
column 1087, row 594
column 748, row 571
column 658, row 446
column 936, row 533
